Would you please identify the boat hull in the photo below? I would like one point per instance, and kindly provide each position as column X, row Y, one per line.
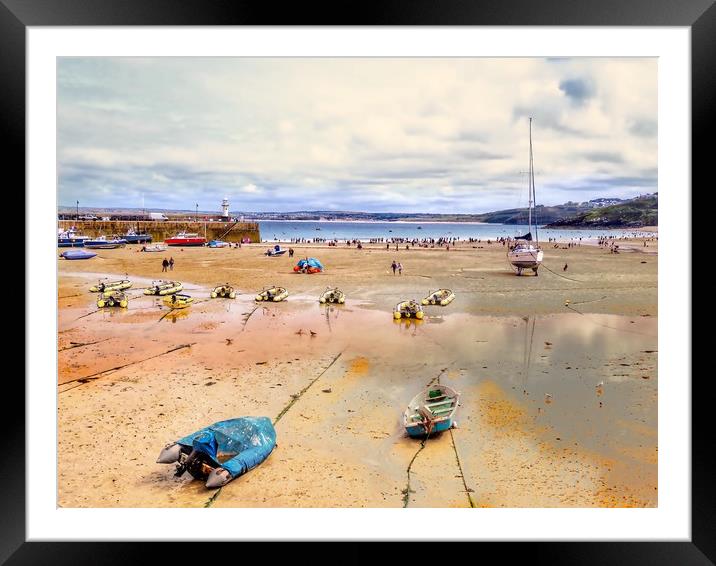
column 332, row 296
column 155, row 248
column 274, row 294
column 432, row 410
column 440, row 297
column 163, row 290
column 138, row 239
column 419, row 431
column 70, row 243
column 527, row 259
column 79, row 254
column 181, row 302
column 408, row 310
column 186, row 242
column 105, row 244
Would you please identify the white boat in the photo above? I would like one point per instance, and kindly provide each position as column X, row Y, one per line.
column 431, row 411
column 527, row 254
column 102, row 243
column 70, row 239
column 155, row 248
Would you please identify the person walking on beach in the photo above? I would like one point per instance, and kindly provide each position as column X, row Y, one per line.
column 165, row 264
column 394, row 266
column 290, row 252
column 171, row 264
column 400, row 268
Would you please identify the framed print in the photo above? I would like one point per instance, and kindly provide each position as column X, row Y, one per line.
column 388, row 279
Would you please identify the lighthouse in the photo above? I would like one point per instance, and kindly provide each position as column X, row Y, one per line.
column 225, row 209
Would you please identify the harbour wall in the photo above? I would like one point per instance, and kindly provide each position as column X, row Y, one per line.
column 163, row 229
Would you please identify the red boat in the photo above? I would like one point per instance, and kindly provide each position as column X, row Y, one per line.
column 186, row 239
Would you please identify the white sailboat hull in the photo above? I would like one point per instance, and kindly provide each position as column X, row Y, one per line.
column 526, row 258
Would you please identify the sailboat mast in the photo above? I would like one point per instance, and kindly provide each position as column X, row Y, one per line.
column 533, row 195
column 529, row 205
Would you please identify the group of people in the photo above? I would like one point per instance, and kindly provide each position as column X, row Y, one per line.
column 397, row 267
column 168, row 264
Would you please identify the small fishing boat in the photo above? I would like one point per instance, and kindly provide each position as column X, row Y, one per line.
column 134, row 237
column 186, row 239
column 440, row 297
column 77, row 254
column 113, row 298
column 102, row 243
column 70, row 239
column 275, row 294
column 431, row 411
column 275, row 251
column 222, row 451
column 408, row 309
column 163, row 288
column 155, row 248
column 103, row 286
column 178, row 301
column 226, row 291
column 218, row 244
column 308, row 265
column 332, row 295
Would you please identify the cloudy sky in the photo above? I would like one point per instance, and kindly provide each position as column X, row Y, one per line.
column 430, row 135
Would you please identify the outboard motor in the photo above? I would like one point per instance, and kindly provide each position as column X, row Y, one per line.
column 202, row 459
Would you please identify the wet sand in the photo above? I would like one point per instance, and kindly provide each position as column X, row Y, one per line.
column 535, row 427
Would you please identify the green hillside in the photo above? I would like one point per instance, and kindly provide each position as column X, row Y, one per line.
column 634, row 213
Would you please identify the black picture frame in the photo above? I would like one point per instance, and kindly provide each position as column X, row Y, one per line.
column 17, row 15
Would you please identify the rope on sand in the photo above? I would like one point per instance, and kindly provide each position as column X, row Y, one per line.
column 170, row 311
column 246, row 320
column 459, row 467
column 94, row 376
column 560, row 275
column 606, row 325
column 81, row 344
column 298, row 395
column 294, row 398
column 407, row 491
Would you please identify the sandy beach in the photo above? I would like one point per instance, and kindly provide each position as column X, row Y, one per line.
column 558, row 377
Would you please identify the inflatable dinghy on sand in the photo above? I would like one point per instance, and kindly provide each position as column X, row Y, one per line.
column 222, row 451
column 408, row 309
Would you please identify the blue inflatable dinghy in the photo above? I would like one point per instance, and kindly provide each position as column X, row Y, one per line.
column 222, row 451
column 77, row 254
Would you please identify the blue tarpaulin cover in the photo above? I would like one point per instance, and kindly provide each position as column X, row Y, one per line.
column 310, row 262
column 237, row 445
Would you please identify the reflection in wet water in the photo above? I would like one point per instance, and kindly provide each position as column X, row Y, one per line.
column 579, row 380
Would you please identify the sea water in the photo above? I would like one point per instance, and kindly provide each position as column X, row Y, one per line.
column 290, row 230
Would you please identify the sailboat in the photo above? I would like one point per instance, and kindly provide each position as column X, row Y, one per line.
column 526, row 254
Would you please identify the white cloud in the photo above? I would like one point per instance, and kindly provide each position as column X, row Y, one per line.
column 374, row 134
